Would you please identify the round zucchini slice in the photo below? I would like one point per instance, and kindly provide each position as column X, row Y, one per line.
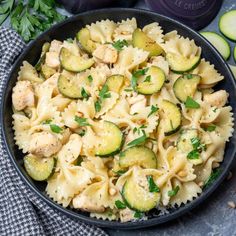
column 111, row 139
column 45, row 49
column 180, row 64
column 186, row 86
column 74, row 63
column 115, row 82
column 138, row 155
column 139, row 198
column 47, row 71
column 68, row 88
column 152, row 82
column 142, row 41
column 83, row 37
column 184, row 142
column 38, row 168
column 171, row 116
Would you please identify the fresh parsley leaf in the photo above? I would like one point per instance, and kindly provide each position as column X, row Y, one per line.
column 135, row 130
column 148, row 78
column 82, row 133
column 135, row 76
column 55, row 128
column 153, row 188
column 214, row 175
column 120, row 205
column 81, row 121
column 210, row 128
column 138, row 214
column 189, row 76
column 174, row 191
column 215, row 109
column 138, row 141
column 104, row 92
column 120, row 172
column 195, row 142
column 6, row 6
column 194, row 154
column 90, row 78
column 192, row 104
column 97, row 106
column 153, row 110
column 84, row 94
column 47, row 122
column 118, row 45
column 139, row 129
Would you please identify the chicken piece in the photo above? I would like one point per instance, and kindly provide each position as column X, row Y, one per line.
column 52, row 59
column 55, row 46
column 106, row 53
column 44, row 144
column 23, row 95
column 126, row 215
column 217, row 99
column 85, row 204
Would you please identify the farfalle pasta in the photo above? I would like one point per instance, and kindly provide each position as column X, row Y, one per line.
column 121, row 120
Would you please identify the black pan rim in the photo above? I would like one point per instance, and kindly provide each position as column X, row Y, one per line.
column 104, row 223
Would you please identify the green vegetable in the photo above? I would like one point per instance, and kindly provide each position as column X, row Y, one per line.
column 192, row 104
column 173, row 192
column 214, row 175
column 153, row 110
column 138, row 141
column 135, row 76
column 210, row 128
column 118, row 45
column 90, row 78
column 138, row 214
column 31, row 17
column 120, row 205
column 153, row 188
column 81, row 121
column 198, row 147
column 55, row 128
column 84, row 94
column 194, row 154
column 103, row 94
column 97, row 106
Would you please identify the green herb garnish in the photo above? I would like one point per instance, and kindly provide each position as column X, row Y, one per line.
column 194, row 154
column 153, row 110
column 135, row 76
column 90, row 78
column 214, row 175
column 153, row 188
column 197, row 148
column 139, row 129
column 128, row 90
column 119, row 44
column 192, row 104
column 148, row 79
column 120, row 172
column 82, row 133
column 97, row 106
column 104, row 93
column 189, row 76
column 120, row 205
column 55, row 128
column 138, row 141
column 84, row 94
column 138, row 214
column 47, row 122
column 210, row 128
column 81, row 121
column 173, row 192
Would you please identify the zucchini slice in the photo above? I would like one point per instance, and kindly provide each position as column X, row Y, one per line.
column 142, row 41
column 38, row 168
column 68, row 88
column 45, row 49
column 152, row 82
column 74, row 63
column 47, row 71
column 139, row 198
column 186, row 86
column 171, row 116
column 83, row 37
column 233, row 68
column 138, row 155
column 115, row 82
column 111, row 139
column 227, row 24
column 235, row 53
column 180, row 64
column 219, row 43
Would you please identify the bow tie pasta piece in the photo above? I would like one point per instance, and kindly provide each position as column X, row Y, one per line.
column 155, row 32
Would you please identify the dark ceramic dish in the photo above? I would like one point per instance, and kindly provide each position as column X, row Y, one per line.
column 68, row 29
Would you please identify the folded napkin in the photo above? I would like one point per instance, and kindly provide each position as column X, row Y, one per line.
column 21, row 211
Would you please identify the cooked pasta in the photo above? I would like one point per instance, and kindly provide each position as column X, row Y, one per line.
column 121, row 120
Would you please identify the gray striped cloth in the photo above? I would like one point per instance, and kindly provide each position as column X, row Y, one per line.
column 21, row 211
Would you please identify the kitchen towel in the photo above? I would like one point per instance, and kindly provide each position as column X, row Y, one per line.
column 21, row 211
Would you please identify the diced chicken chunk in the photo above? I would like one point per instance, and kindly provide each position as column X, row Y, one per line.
column 85, row 204
column 23, row 95
column 217, row 99
column 55, row 46
column 52, row 59
column 106, row 53
column 44, row 144
column 126, row 215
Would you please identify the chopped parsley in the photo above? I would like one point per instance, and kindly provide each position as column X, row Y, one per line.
column 84, row 94
column 189, row 76
column 174, row 191
column 55, row 128
column 97, row 106
column 214, row 175
column 119, row 44
column 81, row 121
column 139, row 129
column 82, row 133
column 198, row 147
column 120, row 205
column 194, row 154
column 138, row 141
column 192, row 104
column 120, row 172
column 47, row 122
column 138, row 214
column 148, row 79
column 90, row 78
column 153, row 188
column 153, row 110
column 103, row 94
column 210, row 128
column 135, row 76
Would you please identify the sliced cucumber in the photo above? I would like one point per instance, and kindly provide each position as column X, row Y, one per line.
column 83, row 36
column 38, row 168
column 184, row 142
column 156, row 79
column 115, row 83
column 110, row 141
column 233, row 68
column 235, row 53
column 218, row 42
column 139, row 198
column 171, row 117
column 142, row 41
column 74, row 63
column 68, row 87
column 181, row 64
column 186, row 86
column 47, row 71
column 45, row 49
column 227, row 24
column 138, row 155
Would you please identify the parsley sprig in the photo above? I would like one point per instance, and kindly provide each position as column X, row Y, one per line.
column 103, row 94
column 139, row 140
column 54, row 128
column 82, row 121
column 136, row 75
column 191, row 103
column 214, row 175
column 174, row 191
column 198, row 147
column 119, row 44
column 153, row 110
column 153, row 188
